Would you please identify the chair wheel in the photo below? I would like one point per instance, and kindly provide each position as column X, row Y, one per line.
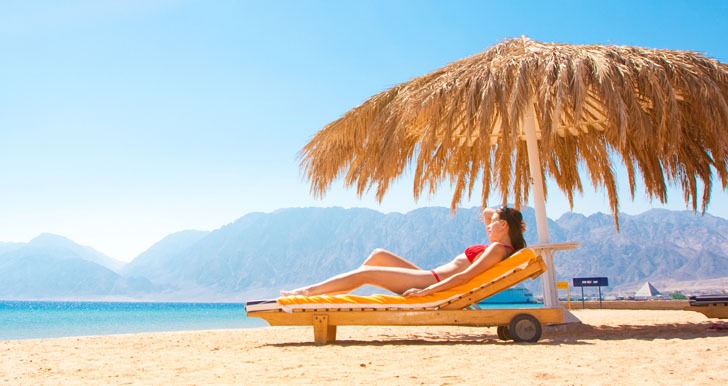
column 525, row 328
column 503, row 333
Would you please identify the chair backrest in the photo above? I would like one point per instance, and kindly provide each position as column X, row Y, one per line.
column 522, row 265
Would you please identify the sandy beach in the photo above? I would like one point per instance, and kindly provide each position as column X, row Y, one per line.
column 660, row 347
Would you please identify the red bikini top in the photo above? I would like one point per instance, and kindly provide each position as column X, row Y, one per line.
column 473, row 251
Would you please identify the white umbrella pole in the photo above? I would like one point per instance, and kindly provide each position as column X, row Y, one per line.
column 548, row 280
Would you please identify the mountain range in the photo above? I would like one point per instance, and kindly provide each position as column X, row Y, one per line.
column 262, row 253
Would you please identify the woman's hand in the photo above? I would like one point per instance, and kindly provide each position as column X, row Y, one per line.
column 488, row 217
column 412, row 292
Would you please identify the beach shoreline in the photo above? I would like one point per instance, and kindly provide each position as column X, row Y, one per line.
column 609, row 346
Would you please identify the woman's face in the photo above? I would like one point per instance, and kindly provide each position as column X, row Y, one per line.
column 497, row 227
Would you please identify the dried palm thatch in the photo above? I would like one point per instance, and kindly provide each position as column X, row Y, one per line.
column 664, row 112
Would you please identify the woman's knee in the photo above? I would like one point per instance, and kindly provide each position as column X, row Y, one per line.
column 374, row 256
column 380, row 251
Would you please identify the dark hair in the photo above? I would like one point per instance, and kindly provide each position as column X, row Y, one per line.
column 514, row 218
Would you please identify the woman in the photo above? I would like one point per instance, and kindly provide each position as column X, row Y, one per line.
column 384, row 269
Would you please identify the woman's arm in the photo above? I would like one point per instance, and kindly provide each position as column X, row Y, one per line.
column 489, row 257
column 488, row 217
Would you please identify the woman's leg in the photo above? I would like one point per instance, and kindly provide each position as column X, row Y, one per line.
column 393, row 279
column 383, row 258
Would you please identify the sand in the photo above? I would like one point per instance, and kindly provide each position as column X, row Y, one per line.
column 645, row 347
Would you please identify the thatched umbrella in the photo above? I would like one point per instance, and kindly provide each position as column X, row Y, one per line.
column 522, row 109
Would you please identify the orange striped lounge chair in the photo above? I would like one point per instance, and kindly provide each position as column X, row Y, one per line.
column 456, row 306
column 712, row 306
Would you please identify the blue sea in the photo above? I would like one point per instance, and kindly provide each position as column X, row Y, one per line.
column 33, row 320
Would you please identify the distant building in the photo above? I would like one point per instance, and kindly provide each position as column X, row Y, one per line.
column 648, row 291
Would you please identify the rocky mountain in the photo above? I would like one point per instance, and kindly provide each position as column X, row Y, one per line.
column 261, row 253
column 62, row 247
column 7, row 247
column 154, row 262
column 655, row 245
column 53, row 267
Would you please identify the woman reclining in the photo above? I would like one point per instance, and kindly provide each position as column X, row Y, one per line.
column 384, row 269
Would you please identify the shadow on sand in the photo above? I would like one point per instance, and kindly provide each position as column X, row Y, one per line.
column 555, row 335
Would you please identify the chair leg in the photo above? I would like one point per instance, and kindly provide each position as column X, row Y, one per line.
column 323, row 333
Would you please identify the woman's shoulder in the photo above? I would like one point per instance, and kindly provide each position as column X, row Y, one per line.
column 508, row 250
column 498, row 243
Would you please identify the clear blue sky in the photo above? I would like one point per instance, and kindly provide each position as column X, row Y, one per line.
column 124, row 121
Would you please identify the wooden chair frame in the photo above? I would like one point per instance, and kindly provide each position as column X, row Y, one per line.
column 454, row 312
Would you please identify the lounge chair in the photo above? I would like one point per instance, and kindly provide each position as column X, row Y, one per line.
column 456, row 306
column 712, row 306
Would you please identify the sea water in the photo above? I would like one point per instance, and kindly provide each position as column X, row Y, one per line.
column 37, row 320
column 34, row 320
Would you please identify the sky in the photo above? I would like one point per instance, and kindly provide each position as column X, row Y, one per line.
column 122, row 122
